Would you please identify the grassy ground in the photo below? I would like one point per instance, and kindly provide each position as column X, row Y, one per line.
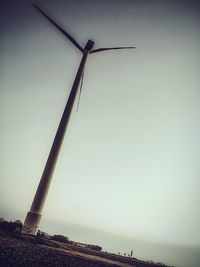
column 17, row 253
column 27, row 252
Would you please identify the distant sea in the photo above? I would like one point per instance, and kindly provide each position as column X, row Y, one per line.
column 175, row 255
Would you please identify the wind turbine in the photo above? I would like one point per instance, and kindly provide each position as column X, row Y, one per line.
column 34, row 215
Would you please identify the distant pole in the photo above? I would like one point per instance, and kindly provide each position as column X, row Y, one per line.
column 131, row 253
column 34, row 215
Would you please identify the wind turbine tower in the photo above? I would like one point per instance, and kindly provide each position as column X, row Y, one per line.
column 33, row 217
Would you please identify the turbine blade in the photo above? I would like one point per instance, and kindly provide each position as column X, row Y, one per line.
column 110, row 48
column 59, row 28
column 79, row 97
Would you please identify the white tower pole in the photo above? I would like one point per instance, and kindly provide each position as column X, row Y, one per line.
column 34, row 215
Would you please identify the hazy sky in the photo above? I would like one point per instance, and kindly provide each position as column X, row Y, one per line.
column 130, row 160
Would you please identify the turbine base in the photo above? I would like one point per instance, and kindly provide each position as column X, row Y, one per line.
column 31, row 223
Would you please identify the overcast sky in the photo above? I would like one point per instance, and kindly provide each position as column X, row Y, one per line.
column 129, row 163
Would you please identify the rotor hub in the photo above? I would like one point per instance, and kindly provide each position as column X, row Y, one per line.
column 89, row 45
